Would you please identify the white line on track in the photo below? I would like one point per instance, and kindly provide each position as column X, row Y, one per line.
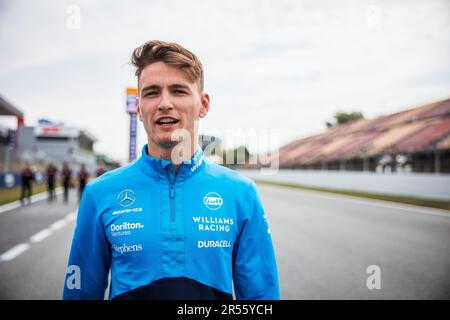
column 14, row 252
column 38, row 237
column 58, row 224
column 41, row 235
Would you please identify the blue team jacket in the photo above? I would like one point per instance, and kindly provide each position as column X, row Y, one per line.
column 163, row 235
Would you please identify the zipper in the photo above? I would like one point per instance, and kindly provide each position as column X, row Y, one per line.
column 172, row 202
column 171, row 196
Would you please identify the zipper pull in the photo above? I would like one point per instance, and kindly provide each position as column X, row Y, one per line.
column 172, row 191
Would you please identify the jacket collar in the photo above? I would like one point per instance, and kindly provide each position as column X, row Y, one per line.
column 161, row 167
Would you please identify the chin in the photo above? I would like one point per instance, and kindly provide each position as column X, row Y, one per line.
column 167, row 143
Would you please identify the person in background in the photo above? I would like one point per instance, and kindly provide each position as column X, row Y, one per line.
column 66, row 175
column 83, row 177
column 27, row 175
column 101, row 169
column 52, row 171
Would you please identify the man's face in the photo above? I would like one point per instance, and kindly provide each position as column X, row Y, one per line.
column 169, row 100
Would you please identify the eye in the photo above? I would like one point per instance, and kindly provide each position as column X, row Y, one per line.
column 179, row 91
column 151, row 93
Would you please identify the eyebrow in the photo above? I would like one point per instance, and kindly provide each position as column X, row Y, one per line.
column 180, row 86
column 149, row 88
column 172, row 87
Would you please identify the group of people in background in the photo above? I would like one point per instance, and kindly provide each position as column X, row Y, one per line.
column 51, row 174
column 66, row 180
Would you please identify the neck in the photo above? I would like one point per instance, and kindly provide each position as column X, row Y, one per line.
column 175, row 154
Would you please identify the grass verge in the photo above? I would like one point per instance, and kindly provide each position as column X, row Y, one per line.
column 8, row 195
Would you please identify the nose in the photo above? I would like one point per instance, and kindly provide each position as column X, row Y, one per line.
column 165, row 103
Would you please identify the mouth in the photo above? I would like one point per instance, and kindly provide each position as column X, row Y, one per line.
column 166, row 122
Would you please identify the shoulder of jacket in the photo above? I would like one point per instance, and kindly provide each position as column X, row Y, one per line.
column 228, row 175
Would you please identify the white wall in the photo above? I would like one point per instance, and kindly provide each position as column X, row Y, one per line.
column 407, row 184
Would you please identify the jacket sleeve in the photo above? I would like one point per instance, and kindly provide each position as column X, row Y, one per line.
column 90, row 255
column 255, row 274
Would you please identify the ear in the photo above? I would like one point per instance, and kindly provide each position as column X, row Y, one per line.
column 204, row 108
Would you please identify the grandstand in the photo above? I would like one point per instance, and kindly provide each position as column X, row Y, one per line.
column 414, row 140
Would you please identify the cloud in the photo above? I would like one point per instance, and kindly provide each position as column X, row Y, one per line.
column 268, row 64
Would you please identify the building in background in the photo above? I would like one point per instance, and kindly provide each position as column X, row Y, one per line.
column 50, row 141
column 38, row 145
column 414, row 140
column 8, row 136
column 9, row 166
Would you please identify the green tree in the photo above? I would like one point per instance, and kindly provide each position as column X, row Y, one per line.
column 344, row 117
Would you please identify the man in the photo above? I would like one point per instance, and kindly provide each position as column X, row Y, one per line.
column 51, row 178
column 101, row 169
column 66, row 175
column 171, row 225
column 83, row 177
column 27, row 176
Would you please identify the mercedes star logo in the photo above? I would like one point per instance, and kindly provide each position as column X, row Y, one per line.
column 126, row 198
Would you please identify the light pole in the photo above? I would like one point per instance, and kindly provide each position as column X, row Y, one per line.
column 132, row 94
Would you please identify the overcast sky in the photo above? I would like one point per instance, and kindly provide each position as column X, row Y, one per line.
column 285, row 66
